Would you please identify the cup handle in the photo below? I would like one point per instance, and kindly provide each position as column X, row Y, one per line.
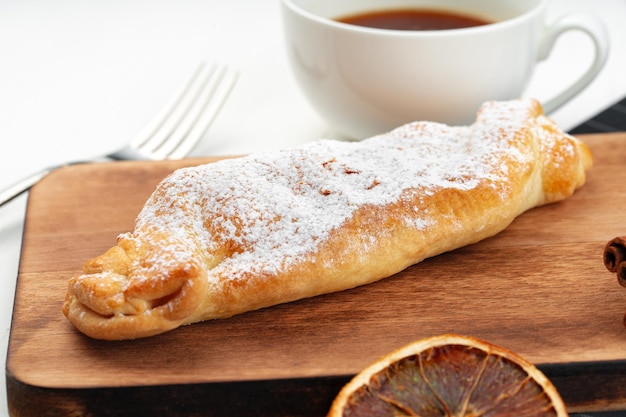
column 596, row 30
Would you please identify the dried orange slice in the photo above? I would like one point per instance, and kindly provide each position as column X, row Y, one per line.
column 451, row 376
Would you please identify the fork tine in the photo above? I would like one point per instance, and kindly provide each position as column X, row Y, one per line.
column 161, row 136
column 142, row 140
column 214, row 91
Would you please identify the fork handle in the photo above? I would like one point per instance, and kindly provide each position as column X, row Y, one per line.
column 24, row 185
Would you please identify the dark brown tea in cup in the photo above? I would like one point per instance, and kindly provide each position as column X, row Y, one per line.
column 414, row 19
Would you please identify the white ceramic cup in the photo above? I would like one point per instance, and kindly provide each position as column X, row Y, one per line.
column 364, row 81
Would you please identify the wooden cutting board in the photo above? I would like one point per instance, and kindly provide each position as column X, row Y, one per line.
column 539, row 288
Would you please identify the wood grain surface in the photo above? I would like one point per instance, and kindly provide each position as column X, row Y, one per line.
column 539, row 288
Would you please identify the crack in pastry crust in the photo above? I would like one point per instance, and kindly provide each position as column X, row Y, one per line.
column 247, row 233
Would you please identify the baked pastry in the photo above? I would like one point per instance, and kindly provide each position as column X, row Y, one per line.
column 241, row 234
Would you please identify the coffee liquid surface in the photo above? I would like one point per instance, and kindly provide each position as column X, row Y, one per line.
column 414, row 19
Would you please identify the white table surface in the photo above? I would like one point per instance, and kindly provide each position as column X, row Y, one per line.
column 81, row 77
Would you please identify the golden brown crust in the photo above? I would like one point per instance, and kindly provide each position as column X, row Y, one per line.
column 226, row 238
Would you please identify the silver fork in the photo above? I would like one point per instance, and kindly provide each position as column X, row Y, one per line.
column 174, row 131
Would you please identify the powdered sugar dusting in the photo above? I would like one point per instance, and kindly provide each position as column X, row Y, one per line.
column 267, row 210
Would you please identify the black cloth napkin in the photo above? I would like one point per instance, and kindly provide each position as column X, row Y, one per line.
column 611, row 119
